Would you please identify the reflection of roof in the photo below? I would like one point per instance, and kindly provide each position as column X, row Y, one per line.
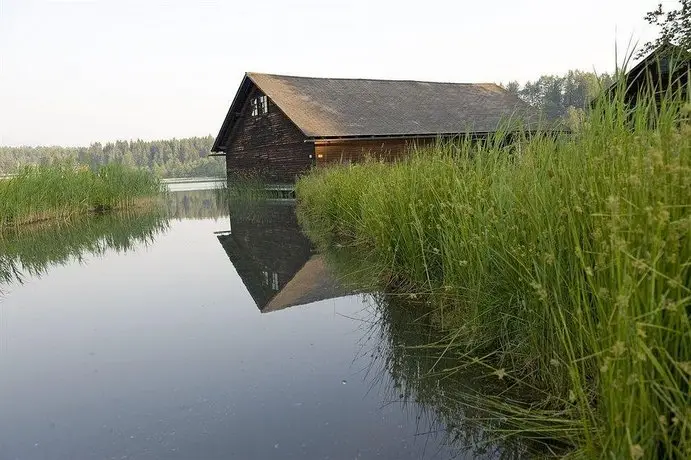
column 307, row 280
column 314, row 282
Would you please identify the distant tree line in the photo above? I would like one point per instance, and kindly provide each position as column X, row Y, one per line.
column 186, row 157
column 564, row 96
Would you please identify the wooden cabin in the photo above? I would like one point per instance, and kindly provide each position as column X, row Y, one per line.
column 278, row 127
column 665, row 70
column 275, row 260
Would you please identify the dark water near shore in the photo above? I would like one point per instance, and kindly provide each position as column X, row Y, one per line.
column 190, row 334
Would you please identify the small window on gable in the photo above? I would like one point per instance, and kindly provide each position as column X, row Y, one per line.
column 260, row 105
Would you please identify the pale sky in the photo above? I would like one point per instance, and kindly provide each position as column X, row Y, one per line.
column 77, row 71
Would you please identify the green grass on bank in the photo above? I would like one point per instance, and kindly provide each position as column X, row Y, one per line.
column 563, row 264
column 59, row 192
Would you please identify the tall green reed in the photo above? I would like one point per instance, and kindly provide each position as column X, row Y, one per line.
column 561, row 262
column 61, row 191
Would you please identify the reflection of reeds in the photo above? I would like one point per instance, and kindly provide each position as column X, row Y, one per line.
column 452, row 394
column 456, row 394
column 63, row 191
column 196, row 204
column 32, row 252
column 563, row 265
column 252, row 200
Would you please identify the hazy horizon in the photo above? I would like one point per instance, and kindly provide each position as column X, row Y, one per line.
column 74, row 72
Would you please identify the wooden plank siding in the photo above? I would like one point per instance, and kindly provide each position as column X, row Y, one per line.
column 267, row 146
column 353, row 151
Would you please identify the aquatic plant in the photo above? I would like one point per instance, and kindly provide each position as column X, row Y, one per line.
column 560, row 263
column 40, row 193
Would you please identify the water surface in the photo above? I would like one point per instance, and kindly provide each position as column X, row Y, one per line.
column 199, row 337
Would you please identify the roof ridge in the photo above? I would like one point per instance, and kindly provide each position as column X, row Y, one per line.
column 372, row 79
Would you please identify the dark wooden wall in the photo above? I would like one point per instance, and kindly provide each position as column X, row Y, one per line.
column 357, row 150
column 269, row 146
column 664, row 78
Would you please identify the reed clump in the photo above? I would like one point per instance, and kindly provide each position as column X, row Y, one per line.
column 560, row 262
column 41, row 193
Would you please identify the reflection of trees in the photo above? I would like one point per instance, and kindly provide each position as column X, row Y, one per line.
column 196, row 204
column 33, row 251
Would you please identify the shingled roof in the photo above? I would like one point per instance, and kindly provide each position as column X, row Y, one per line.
column 344, row 108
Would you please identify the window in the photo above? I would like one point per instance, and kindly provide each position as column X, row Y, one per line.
column 260, row 105
column 274, row 280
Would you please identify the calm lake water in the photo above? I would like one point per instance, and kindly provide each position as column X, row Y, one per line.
column 195, row 335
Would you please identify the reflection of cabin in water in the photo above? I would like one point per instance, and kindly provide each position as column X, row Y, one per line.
column 278, row 127
column 275, row 259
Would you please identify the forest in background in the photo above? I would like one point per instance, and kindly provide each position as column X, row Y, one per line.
column 564, row 97
column 186, row 157
column 556, row 96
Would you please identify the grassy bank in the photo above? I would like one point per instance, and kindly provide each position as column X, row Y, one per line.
column 60, row 192
column 562, row 266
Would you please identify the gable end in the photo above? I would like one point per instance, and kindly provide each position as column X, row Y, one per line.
column 239, row 118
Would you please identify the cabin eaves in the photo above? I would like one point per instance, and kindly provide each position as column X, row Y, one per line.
column 666, row 67
column 341, row 108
